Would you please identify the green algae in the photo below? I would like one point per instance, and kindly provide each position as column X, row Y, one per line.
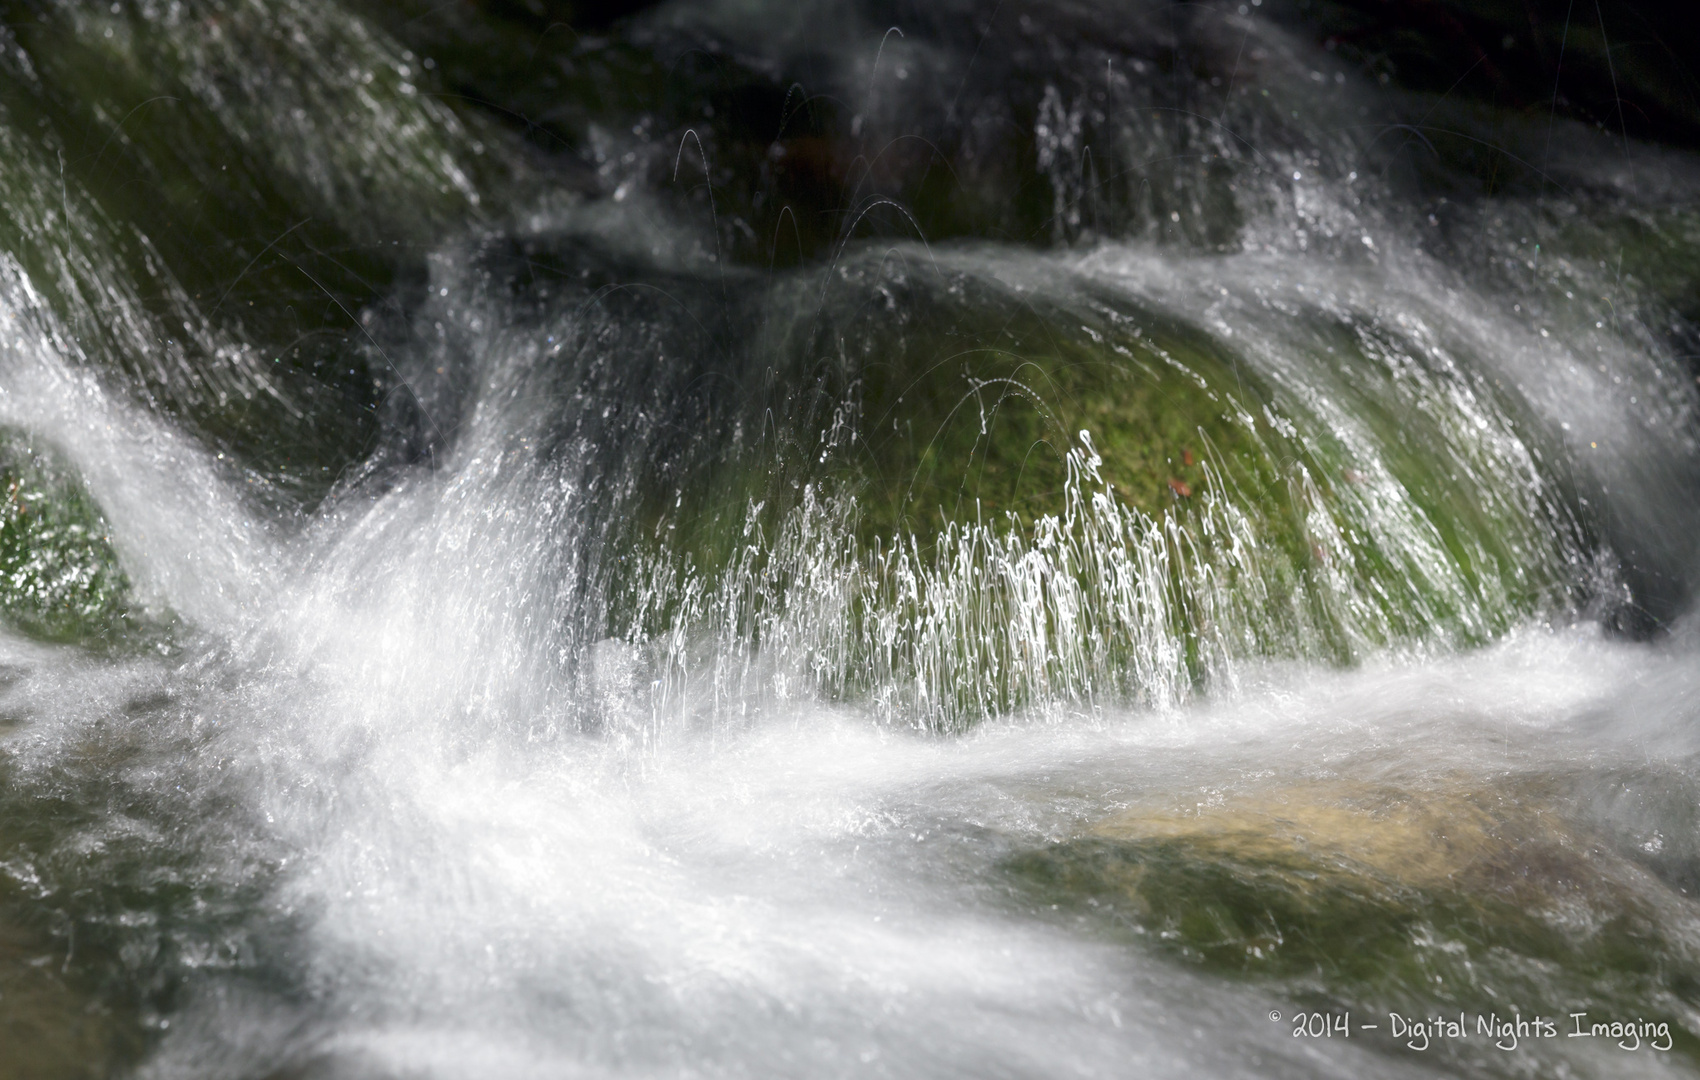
column 60, row 578
column 968, row 410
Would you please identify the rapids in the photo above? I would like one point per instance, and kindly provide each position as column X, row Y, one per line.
column 834, row 539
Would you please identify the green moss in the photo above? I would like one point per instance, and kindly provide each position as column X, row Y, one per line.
column 967, row 495
column 1388, row 486
column 59, row 577
column 1444, row 501
column 979, row 419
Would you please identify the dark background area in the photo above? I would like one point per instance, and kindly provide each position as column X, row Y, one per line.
column 1625, row 65
column 1628, row 65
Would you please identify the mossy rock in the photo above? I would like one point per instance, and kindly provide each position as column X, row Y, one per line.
column 224, row 201
column 1371, row 898
column 965, row 421
column 977, row 420
column 60, row 579
column 1393, row 494
column 996, row 491
column 218, row 110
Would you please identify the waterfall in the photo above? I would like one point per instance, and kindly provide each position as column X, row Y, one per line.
column 844, row 538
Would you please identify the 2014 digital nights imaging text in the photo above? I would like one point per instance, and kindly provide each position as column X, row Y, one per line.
column 1507, row 1033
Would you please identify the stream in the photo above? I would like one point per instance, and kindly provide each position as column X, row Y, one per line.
column 849, row 538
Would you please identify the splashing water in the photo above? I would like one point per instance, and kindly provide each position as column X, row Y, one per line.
column 473, row 605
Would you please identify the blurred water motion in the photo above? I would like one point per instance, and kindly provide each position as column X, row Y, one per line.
column 842, row 539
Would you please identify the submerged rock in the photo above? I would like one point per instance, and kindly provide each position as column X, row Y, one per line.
column 49, row 1026
column 1375, row 898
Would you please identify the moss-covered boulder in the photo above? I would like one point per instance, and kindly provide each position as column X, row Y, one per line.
column 969, row 489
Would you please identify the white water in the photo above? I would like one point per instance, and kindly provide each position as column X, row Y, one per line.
column 459, row 883
column 810, row 894
column 403, row 796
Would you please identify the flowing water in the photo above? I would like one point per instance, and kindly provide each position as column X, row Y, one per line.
column 834, row 539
